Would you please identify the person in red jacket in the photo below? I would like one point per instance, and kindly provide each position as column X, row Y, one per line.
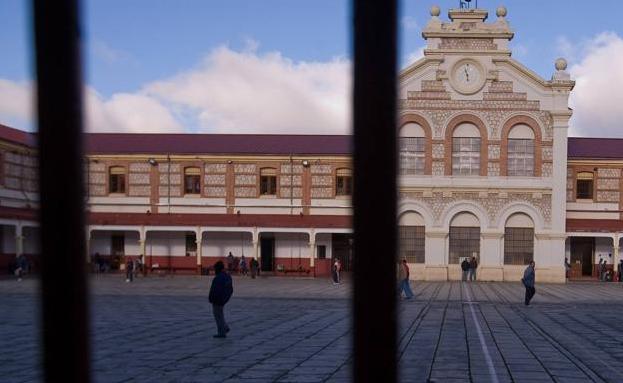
column 221, row 291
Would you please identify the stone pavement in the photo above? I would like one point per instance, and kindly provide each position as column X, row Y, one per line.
column 159, row 329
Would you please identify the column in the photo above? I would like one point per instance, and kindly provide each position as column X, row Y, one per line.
column 88, row 247
column 256, row 250
column 491, row 262
column 198, row 241
column 436, row 255
column 615, row 255
column 19, row 240
column 142, row 241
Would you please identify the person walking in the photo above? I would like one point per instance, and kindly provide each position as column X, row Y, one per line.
column 221, row 291
column 334, row 272
column 243, row 265
column 567, row 268
column 601, row 269
column 528, row 282
column 403, row 280
column 129, row 270
column 465, row 268
column 339, row 271
column 254, row 267
column 620, row 270
column 230, row 262
column 21, row 266
column 473, row 265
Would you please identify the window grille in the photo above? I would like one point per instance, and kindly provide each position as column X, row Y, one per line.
column 343, row 182
column 464, row 242
column 518, row 245
column 520, row 157
column 412, row 243
column 192, row 181
column 116, row 179
column 412, row 155
column 466, row 156
column 268, row 181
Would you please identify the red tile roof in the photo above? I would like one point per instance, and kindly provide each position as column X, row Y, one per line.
column 596, row 148
column 267, row 144
column 594, row 225
column 17, row 136
column 226, row 220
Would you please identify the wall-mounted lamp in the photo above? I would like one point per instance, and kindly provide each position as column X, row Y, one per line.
column 229, row 161
column 305, row 163
column 238, row 212
column 152, row 162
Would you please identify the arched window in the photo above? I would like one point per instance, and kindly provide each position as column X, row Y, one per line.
column 412, row 143
column 192, row 180
column 584, row 185
column 520, row 151
column 464, row 237
column 466, row 150
column 518, row 240
column 268, row 181
column 116, row 179
column 343, row 182
column 411, row 231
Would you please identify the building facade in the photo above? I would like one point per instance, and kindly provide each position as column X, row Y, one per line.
column 486, row 171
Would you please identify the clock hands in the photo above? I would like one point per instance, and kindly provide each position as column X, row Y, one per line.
column 466, row 73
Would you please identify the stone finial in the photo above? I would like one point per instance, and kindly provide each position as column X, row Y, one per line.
column 561, row 64
column 501, row 11
column 435, row 11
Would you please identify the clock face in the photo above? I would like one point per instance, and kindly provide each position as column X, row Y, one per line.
column 467, row 77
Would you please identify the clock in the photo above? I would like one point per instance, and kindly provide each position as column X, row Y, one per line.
column 467, row 76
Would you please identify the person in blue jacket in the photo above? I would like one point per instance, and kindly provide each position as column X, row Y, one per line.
column 220, row 292
column 528, row 282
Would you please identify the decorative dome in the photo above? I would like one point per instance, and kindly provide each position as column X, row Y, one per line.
column 501, row 11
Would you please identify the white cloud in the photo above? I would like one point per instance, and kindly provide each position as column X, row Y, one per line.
column 110, row 55
column 598, row 93
column 128, row 112
column 245, row 92
column 16, row 103
column 229, row 92
column 409, row 22
column 413, row 56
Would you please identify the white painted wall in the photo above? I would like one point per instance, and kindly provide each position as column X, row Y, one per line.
column 31, row 240
column 324, row 240
column 8, row 239
column 165, row 243
column 101, row 242
column 219, row 244
column 603, row 248
column 291, row 245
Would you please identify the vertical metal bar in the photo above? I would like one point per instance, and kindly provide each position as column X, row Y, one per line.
column 375, row 194
column 64, row 292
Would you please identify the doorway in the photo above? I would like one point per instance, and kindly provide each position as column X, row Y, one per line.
column 582, row 249
column 342, row 249
column 117, row 248
column 267, row 254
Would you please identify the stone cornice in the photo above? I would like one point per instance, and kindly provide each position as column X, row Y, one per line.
column 419, row 64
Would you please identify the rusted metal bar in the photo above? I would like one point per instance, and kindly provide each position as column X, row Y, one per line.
column 375, row 193
column 65, row 322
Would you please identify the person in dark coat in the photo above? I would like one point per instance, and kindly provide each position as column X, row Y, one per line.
column 621, row 270
column 220, row 293
column 465, row 268
column 129, row 270
column 528, row 282
column 473, row 265
column 254, row 267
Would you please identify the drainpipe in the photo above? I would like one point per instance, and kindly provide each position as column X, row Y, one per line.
column 291, row 185
column 169, row 183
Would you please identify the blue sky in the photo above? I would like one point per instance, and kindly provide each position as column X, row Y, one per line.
column 136, row 49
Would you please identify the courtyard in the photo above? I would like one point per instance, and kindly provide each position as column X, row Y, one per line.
column 159, row 329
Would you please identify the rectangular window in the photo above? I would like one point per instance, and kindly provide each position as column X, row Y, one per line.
column 584, row 189
column 191, row 244
column 192, row 181
column 322, row 252
column 520, row 157
column 518, row 245
column 116, row 180
column 464, row 242
column 466, row 156
column 412, row 157
column 268, row 185
column 411, row 245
